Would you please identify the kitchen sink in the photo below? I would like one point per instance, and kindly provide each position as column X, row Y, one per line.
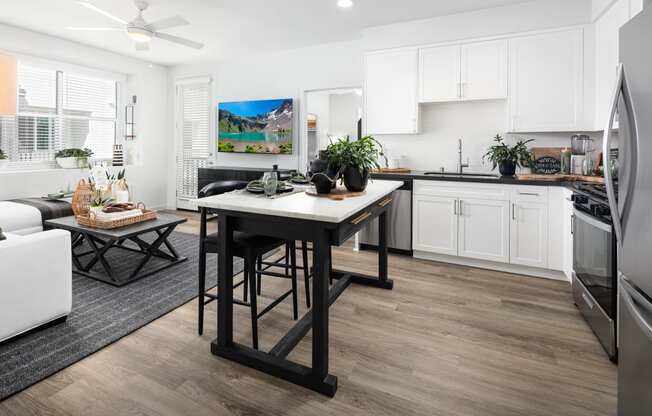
column 463, row 175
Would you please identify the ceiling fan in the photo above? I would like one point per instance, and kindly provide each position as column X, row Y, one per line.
column 138, row 29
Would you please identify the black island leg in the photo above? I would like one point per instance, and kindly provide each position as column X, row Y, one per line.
column 225, row 282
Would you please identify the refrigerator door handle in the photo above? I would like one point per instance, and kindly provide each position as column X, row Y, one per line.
column 606, row 144
column 629, row 294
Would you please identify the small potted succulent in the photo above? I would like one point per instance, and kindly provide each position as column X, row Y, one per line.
column 3, row 159
column 355, row 159
column 73, row 158
column 506, row 157
column 98, row 202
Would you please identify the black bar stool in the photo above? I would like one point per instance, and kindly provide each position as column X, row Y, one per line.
column 251, row 248
column 290, row 253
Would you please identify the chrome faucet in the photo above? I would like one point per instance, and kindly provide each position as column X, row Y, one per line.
column 461, row 165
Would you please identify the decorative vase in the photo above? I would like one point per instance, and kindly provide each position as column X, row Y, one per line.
column 507, row 168
column 354, row 180
column 68, row 162
column 320, row 164
column 323, row 183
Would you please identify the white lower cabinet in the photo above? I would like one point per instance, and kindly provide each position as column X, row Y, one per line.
column 508, row 224
column 437, row 232
column 529, row 234
column 484, row 229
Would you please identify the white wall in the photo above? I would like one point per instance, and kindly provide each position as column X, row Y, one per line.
column 345, row 111
column 149, row 82
column 284, row 74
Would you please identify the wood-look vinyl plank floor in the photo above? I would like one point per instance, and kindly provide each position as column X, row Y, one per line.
column 448, row 340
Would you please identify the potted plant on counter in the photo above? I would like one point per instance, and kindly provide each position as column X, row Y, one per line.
column 506, row 157
column 355, row 159
column 73, row 158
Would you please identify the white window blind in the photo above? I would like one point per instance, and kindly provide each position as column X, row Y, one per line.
column 58, row 110
column 193, row 124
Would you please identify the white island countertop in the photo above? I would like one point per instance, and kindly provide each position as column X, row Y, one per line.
column 300, row 205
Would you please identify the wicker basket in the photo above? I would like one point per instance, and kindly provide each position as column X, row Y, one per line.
column 82, row 198
column 87, row 221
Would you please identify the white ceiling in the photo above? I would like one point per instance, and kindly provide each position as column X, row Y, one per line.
column 228, row 27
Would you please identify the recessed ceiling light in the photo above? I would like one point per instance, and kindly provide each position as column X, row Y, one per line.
column 345, row 4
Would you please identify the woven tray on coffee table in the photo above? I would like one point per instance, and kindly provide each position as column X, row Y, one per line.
column 87, row 221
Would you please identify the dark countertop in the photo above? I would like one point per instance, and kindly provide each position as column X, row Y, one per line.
column 420, row 175
column 240, row 168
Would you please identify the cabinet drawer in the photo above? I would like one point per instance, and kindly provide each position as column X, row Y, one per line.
column 533, row 194
column 461, row 190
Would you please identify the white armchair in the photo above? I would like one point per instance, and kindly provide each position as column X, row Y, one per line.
column 35, row 281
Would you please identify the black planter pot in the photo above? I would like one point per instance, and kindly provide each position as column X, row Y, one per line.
column 354, row 180
column 320, row 164
column 323, row 183
column 507, row 168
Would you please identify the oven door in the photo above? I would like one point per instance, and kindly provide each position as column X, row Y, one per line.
column 594, row 259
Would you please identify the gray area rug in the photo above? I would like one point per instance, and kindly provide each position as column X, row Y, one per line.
column 102, row 314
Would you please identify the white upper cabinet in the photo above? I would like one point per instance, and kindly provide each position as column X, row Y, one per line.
column 546, row 89
column 474, row 71
column 440, row 76
column 391, row 92
column 606, row 58
column 484, row 70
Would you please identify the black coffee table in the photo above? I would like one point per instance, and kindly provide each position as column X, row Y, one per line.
column 101, row 241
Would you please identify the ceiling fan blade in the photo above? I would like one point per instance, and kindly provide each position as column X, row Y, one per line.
column 181, row 41
column 142, row 46
column 99, row 29
column 96, row 9
column 166, row 23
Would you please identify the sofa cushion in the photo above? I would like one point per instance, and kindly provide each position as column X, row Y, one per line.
column 20, row 218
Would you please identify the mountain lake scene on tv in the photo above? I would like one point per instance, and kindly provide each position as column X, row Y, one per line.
column 263, row 126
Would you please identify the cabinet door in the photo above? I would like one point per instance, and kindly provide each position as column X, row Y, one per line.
column 435, row 224
column 484, row 229
column 439, row 70
column 546, row 82
column 606, row 58
column 391, row 102
column 529, row 234
column 484, row 70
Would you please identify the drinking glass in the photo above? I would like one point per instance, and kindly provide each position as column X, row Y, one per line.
column 270, row 183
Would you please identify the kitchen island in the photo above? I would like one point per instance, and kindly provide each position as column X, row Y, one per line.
column 303, row 217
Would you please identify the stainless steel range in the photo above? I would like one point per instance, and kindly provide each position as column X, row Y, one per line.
column 595, row 265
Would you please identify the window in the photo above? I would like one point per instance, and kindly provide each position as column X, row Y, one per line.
column 57, row 110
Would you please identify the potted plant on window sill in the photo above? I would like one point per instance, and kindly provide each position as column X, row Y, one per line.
column 3, row 159
column 506, row 157
column 73, row 158
column 355, row 159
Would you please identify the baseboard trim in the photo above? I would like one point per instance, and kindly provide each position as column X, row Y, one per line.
column 491, row 265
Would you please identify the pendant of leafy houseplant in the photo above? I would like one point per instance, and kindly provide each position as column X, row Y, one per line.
column 506, row 157
column 355, row 160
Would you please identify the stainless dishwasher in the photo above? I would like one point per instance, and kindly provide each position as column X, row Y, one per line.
column 399, row 227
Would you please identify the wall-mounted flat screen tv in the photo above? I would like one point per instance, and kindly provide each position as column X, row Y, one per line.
column 262, row 127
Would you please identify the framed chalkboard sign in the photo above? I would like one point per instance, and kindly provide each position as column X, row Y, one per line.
column 547, row 160
column 547, row 165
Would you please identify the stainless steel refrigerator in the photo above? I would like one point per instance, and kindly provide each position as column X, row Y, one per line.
column 630, row 200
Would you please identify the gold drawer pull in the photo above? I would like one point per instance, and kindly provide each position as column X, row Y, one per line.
column 361, row 218
column 386, row 202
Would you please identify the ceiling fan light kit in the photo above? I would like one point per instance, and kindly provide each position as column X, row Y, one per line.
column 139, row 30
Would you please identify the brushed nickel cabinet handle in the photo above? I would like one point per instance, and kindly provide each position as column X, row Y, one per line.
column 361, row 218
column 386, row 202
column 529, row 193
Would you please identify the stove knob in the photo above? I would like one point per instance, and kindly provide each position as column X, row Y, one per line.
column 601, row 210
column 580, row 199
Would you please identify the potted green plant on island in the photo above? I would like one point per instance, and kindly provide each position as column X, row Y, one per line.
column 354, row 160
column 506, row 157
column 73, row 158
